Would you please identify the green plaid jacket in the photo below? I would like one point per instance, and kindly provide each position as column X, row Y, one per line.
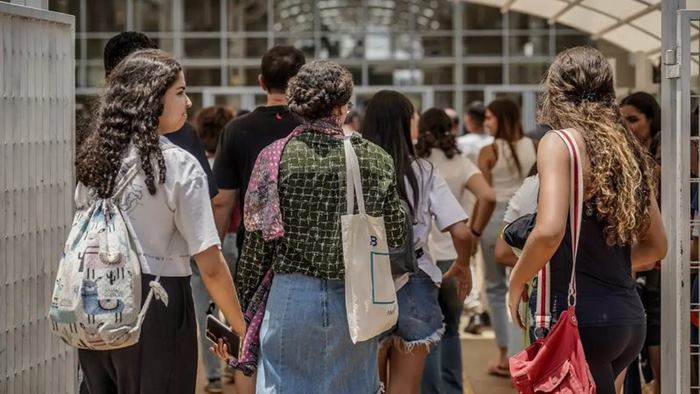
column 312, row 200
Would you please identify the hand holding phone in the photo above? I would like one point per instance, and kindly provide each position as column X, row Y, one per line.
column 218, row 331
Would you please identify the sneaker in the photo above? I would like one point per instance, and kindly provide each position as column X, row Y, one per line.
column 214, row 386
column 474, row 326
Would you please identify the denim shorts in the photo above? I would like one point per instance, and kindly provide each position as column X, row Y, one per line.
column 420, row 316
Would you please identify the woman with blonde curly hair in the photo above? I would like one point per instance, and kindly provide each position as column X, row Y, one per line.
column 167, row 205
column 621, row 227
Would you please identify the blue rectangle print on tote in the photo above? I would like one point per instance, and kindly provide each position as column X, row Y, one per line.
column 380, row 296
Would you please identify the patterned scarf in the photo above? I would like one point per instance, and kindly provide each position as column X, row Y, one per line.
column 262, row 203
column 262, row 212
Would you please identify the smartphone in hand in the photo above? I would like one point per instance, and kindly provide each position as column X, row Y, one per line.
column 217, row 330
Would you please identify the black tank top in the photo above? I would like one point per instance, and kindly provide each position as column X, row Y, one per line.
column 607, row 295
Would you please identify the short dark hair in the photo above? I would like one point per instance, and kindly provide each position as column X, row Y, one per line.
column 123, row 45
column 279, row 64
column 209, row 123
column 477, row 111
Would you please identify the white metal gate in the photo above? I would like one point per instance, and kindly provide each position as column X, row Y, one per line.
column 37, row 112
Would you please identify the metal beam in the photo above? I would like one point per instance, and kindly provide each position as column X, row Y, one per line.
column 507, row 6
column 552, row 20
column 626, row 21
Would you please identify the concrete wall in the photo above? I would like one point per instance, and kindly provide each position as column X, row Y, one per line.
column 37, row 102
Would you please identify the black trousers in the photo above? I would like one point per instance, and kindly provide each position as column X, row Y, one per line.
column 609, row 350
column 165, row 358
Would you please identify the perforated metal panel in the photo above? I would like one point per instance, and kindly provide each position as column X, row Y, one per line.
column 37, row 104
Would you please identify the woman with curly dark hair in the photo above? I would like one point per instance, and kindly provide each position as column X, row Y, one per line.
column 168, row 208
column 438, row 145
column 621, row 227
column 292, row 215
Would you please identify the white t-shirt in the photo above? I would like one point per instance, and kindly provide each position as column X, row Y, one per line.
column 524, row 201
column 470, row 144
column 437, row 202
column 175, row 223
column 456, row 172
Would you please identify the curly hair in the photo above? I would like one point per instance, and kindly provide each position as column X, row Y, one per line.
column 579, row 94
column 318, row 87
column 209, row 122
column 128, row 113
column 435, row 131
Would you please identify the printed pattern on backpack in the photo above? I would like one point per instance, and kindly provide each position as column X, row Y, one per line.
column 96, row 302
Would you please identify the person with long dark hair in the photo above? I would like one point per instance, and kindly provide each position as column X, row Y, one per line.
column 621, row 227
column 643, row 116
column 392, row 123
column 505, row 164
column 168, row 207
column 438, row 145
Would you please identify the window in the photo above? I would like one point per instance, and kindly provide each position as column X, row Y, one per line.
column 483, row 45
column 106, row 16
column 202, row 15
column 202, row 48
column 246, row 15
column 477, row 74
column 153, row 15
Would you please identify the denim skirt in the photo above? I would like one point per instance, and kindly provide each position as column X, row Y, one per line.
column 305, row 344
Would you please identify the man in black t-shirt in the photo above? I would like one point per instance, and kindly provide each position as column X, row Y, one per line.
column 245, row 137
column 123, row 45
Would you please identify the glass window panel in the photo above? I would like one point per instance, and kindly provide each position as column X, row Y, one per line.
column 438, row 75
column 381, row 74
column 529, row 45
column 520, row 21
column 196, row 99
column 95, row 48
column 202, row 15
column 342, row 46
column 438, row 46
column 153, row 15
column 196, row 76
column 482, row 17
column 356, row 75
column 298, row 16
column 232, row 101
column 95, row 76
column 247, row 47
column 565, row 41
column 488, row 45
column 246, row 15
column 67, row 7
column 444, row 99
column 475, row 74
column 202, row 48
column 527, row 73
column 243, row 76
column 305, row 44
column 434, row 15
column 165, row 44
column 106, row 16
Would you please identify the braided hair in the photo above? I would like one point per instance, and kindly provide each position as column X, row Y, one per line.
column 128, row 113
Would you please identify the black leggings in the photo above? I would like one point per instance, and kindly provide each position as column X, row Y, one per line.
column 609, row 350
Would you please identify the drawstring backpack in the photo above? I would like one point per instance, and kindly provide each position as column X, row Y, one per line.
column 96, row 301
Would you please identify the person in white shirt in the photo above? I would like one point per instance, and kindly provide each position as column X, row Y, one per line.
column 167, row 205
column 477, row 136
column 443, row 368
column 392, row 123
column 505, row 164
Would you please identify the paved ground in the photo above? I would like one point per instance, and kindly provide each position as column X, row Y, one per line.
column 477, row 352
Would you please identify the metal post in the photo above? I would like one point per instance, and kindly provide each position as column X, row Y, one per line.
column 673, row 378
column 458, row 34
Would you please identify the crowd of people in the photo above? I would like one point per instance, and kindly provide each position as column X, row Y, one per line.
column 239, row 206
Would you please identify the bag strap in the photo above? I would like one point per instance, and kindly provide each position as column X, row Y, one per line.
column 353, row 183
column 543, row 316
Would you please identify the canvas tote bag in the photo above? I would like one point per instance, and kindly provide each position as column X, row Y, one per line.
column 370, row 296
